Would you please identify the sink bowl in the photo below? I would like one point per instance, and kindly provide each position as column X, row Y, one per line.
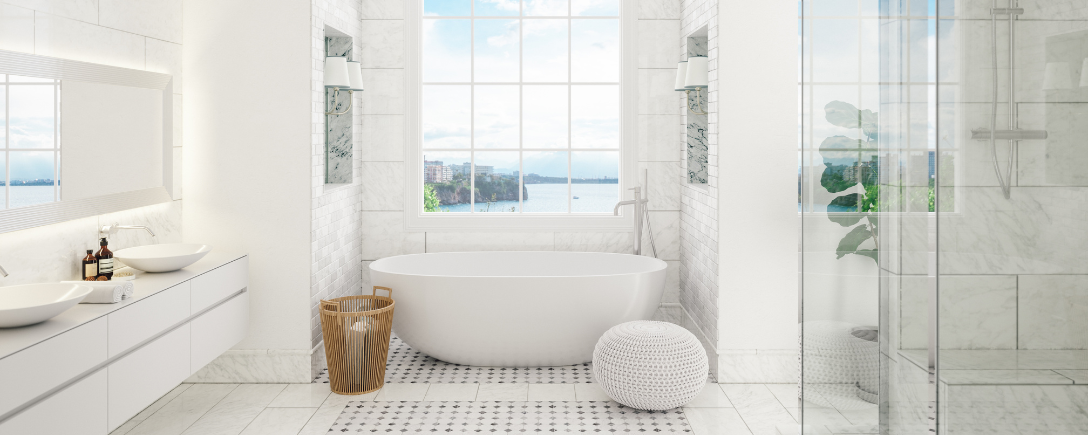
column 22, row 305
column 162, row 258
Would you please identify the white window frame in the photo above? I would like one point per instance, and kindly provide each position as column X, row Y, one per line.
column 417, row 220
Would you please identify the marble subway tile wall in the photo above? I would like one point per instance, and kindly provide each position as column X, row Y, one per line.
column 144, row 35
column 1025, row 252
column 382, row 140
column 336, row 228
column 699, row 202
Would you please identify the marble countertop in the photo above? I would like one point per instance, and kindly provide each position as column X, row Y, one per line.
column 13, row 340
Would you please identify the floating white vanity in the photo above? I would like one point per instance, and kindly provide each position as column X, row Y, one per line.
column 90, row 369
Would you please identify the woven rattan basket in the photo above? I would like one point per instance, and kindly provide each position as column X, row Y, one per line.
column 356, row 331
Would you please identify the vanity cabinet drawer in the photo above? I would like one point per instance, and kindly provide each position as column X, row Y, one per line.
column 219, row 283
column 143, row 376
column 79, row 409
column 51, row 363
column 218, row 330
column 148, row 317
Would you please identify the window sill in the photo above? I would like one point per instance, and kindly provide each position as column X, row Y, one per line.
column 543, row 222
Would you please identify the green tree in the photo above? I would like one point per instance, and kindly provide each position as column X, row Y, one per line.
column 842, row 149
column 430, row 199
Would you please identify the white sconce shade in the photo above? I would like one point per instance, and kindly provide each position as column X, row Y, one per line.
column 355, row 76
column 1058, row 76
column 336, row 72
column 1084, row 73
column 681, row 76
column 697, row 73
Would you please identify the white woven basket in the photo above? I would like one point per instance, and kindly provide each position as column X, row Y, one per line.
column 650, row 365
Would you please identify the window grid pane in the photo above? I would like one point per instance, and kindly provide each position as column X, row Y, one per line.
column 29, row 141
column 533, row 113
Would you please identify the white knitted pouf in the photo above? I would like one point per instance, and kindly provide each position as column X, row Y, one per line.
column 650, row 365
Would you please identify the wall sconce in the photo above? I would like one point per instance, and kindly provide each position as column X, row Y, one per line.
column 1058, row 75
column 1084, row 73
column 691, row 75
column 342, row 74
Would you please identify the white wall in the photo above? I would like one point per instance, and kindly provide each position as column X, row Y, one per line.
column 758, row 104
column 248, row 169
column 139, row 34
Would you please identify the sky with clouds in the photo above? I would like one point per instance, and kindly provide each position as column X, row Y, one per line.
column 527, row 99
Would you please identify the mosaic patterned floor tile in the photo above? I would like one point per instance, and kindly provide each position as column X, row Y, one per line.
column 406, row 365
column 505, row 417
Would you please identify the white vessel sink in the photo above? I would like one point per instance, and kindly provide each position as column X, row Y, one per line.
column 162, row 258
column 22, row 305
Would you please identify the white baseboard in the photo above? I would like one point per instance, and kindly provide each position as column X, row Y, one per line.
column 257, row 367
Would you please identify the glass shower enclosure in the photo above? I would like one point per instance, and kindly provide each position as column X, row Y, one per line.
column 943, row 201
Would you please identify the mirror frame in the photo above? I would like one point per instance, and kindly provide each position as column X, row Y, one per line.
column 45, row 67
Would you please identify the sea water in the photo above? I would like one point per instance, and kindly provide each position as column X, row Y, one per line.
column 553, row 198
column 22, row 196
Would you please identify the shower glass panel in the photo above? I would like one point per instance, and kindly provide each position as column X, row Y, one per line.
column 1012, row 354
column 943, row 193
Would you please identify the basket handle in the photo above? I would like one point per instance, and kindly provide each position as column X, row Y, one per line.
column 332, row 306
column 378, row 287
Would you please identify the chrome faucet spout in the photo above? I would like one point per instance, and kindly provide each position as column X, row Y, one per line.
column 112, row 229
column 3, row 272
column 616, row 211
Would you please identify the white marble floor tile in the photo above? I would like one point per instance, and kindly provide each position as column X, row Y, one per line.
column 397, row 392
column 1079, row 377
column 279, row 421
column 302, row 396
column 590, row 392
column 184, row 410
column 503, row 393
column 151, row 409
column 759, row 408
column 820, row 416
column 712, row 396
column 1003, row 377
column 232, row 414
column 715, row 421
column 452, row 392
column 785, row 393
column 552, row 392
column 322, row 420
column 341, row 399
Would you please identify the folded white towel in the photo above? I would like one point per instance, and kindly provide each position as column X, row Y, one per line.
column 106, row 292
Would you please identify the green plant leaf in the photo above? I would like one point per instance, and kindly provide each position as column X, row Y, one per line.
column 847, row 220
column 850, row 243
column 850, row 200
column 871, row 253
column 842, row 114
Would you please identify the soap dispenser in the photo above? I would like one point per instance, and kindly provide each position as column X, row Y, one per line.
column 90, row 266
column 105, row 260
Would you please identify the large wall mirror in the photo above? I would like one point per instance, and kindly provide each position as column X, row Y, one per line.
column 79, row 139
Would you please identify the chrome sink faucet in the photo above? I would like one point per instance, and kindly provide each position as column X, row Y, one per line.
column 112, row 229
column 3, row 273
column 639, row 204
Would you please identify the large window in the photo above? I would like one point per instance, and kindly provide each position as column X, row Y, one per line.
column 29, row 141
column 842, row 148
column 520, row 106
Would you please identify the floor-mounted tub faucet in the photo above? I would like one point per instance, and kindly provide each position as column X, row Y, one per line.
column 639, row 204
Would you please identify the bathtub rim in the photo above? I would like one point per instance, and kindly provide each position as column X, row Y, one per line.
column 662, row 265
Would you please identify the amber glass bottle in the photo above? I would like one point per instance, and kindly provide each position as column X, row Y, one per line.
column 90, row 265
column 105, row 260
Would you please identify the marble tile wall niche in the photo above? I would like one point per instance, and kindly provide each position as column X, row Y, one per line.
column 338, row 131
column 698, row 167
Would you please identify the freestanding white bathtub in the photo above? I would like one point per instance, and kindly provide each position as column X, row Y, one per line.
column 516, row 309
